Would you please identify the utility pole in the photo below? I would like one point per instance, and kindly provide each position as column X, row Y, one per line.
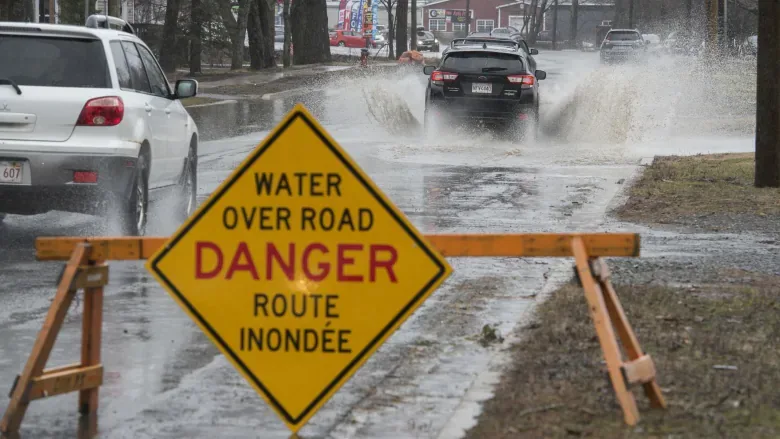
column 768, row 96
column 468, row 17
column 414, row 26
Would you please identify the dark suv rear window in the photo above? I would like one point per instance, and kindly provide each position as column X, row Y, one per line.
column 479, row 61
column 623, row 36
column 53, row 62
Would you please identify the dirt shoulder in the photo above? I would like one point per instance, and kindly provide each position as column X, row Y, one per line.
column 705, row 192
column 703, row 305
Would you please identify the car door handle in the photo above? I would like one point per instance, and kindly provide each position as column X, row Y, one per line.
column 148, row 108
column 167, row 111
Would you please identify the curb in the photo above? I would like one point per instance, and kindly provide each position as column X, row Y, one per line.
column 466, row 415
column 228, row 101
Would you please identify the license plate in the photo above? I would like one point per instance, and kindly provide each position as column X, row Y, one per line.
column 622, row 48
column 482, row 88
column 10, row 172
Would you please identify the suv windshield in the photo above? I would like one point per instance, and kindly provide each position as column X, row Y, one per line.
column 426, row 35
column 481, row 62
column 622, row 36
column 53, row 62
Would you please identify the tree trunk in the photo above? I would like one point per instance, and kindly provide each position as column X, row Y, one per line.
column 413, row 36
column 532, row 34
column 266, row 9
column 621, row 15
column 168, row 50
column 115, row 5
column 555, row 26
column 287, row 34
column 196, row 36
column 768, row 99
column 309, row 20
column 575, row 11
column 402, row 17
column 390, row 33
column 236, row 30
column 468, row 17
column 255, row 32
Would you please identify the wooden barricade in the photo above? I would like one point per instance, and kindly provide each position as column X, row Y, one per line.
column 86, row 270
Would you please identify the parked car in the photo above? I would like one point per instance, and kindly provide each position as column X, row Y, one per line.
column 426, row 41
column 488, row 83
column 504, row 31
column 90, row 124
column 347, row 38
column 623, row 45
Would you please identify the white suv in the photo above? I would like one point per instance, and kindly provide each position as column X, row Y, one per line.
column 89, row 123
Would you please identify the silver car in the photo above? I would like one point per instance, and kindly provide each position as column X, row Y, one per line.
column 623, row 45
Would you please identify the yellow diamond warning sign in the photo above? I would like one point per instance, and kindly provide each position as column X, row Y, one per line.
column 298, row 268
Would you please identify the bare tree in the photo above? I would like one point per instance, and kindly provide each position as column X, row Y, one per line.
column 768, row 101
column 236, row 28
column 575, row 12
column 168, row 50
column 309, row 20
column 196, row 36
column 389, row 5
column 287, row 34
column 402, row 36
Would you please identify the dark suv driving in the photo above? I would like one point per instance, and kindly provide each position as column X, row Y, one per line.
column 492, row 84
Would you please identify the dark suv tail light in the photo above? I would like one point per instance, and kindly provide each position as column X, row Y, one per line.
column 440, row 78
column 525, row 81
column 107, row 111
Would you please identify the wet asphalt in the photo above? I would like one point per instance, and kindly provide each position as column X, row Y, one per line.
column 164, row 379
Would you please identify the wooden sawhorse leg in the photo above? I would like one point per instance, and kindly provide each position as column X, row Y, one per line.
column 35, row 382
column 606, row 311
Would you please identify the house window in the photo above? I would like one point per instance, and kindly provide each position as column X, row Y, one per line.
column 458, row 27
column 435, row 24
column 485, row 26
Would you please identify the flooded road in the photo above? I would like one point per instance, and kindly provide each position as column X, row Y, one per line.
column 164, row 379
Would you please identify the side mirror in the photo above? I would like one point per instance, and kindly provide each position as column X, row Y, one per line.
column 541, row 75
column 534, row 52
column 186, row 88
column 428, row 70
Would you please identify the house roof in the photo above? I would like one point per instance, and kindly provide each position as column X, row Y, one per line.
column 433, row 3
column 517, row 3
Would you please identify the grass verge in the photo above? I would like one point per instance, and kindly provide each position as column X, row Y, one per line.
column 197, row 100
column 685, row 189
column 558, row 386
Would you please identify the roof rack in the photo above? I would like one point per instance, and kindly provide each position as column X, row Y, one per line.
column 496, row 43
column 106, row 21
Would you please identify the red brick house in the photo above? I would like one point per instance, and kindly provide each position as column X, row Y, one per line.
column 449, row 15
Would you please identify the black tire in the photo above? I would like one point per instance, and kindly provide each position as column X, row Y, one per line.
column 134, row 210
column 341, row 44
column 187, row 193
